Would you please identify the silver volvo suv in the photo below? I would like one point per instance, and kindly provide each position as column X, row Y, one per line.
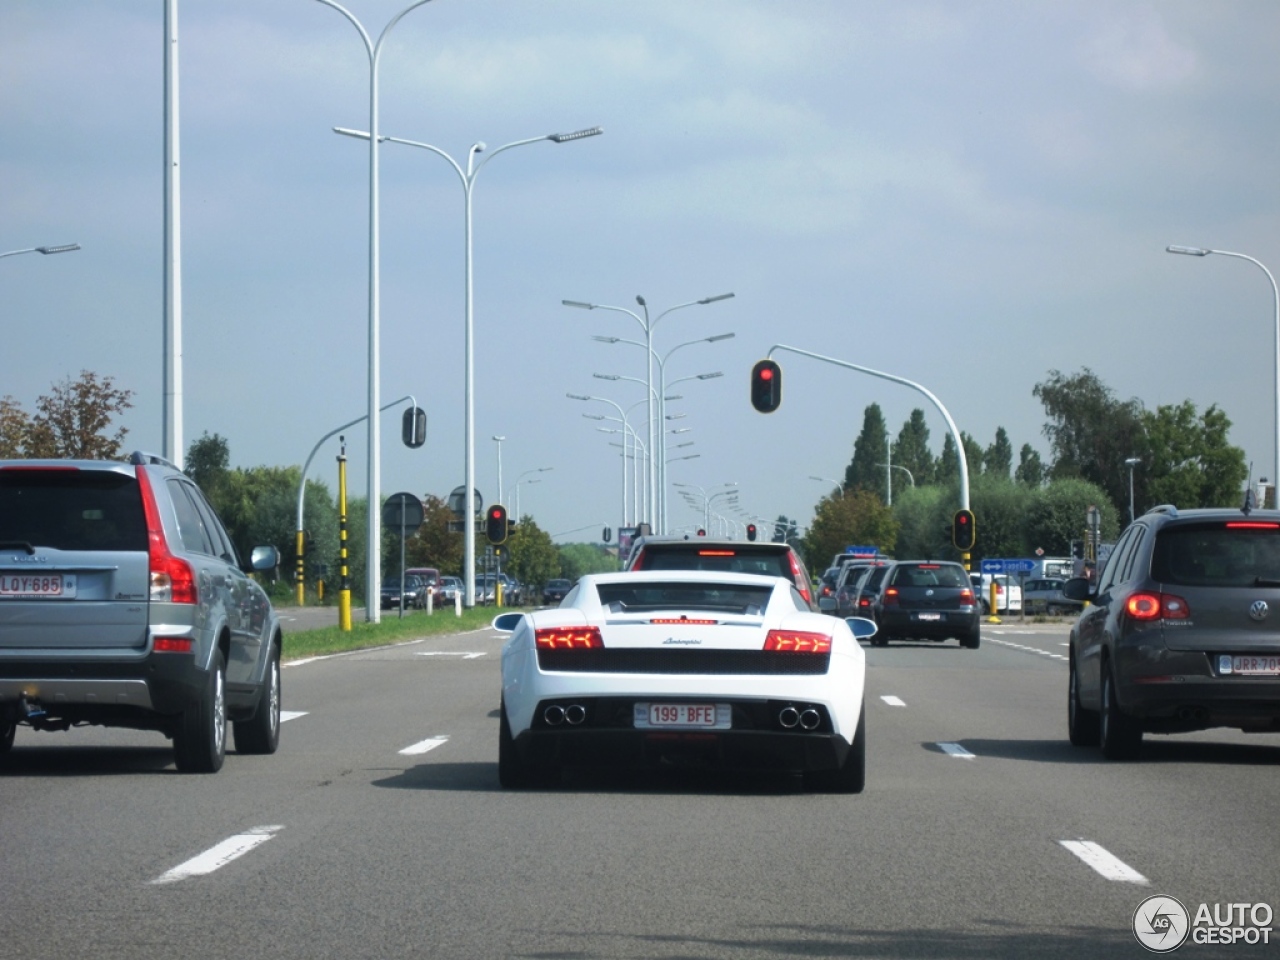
column 123, row 603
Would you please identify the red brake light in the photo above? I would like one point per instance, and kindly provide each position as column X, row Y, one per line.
column 927, row 566
column 796, row 641
column 684, row 620
column 1156, row 606
column 172, row 579
column 172, row 644
column 1252, row 525
column 568, row 638
column 864, row 602
column 966, row 596
column 891, row 596
column 717, row 553
column 803, row 587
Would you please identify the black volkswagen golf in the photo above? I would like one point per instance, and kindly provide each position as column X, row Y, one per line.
column 927, row 600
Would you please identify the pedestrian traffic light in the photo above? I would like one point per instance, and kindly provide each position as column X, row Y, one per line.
column 413, row 427
column 766, row 386
column 963, row 534
column 495, row 526
column 751, row 531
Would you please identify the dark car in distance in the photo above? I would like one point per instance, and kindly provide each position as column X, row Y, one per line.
column 723, row 556
column 1182, row 631
column 553, row 591
column 927, row 600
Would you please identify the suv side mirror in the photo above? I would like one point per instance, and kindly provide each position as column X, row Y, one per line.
column 1078, row 588
column 264, row 558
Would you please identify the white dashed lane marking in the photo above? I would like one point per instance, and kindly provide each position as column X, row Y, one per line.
column 448, row 653
column 957, row 751
column 1103, row 862
column 292, row 714
column 894, row 701
column 1024, row 647
column 424, row 746
column 219, row 856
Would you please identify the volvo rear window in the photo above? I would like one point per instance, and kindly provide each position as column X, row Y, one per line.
column 1233, row 554
column 69, row 509
column 651, row 596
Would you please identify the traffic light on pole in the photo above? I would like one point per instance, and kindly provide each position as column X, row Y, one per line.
column 751, row 531
column 495, row 526
column 766, row 386
column 963, row 534
column 413, row 427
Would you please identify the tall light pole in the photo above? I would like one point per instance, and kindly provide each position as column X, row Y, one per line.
column 373, row 569
column 1131, row 462
column 839, row 487
column 622, row 414
column 63, row 248
column 1275, row 294
column 889, row 468
column 647, row 325
column 468, row 178
column 498, row 441
column 171, row 364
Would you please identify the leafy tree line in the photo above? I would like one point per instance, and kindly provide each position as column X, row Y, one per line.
column 1183, row 457
column 71, row 422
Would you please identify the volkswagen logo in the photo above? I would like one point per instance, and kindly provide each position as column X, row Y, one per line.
column 1259, row 610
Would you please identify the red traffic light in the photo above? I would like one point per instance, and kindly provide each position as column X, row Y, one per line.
column 751, row 531
column 495, row 527
column 963, row 534
column 766, row 386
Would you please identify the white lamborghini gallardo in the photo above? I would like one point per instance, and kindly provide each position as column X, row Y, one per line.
column 683, row 668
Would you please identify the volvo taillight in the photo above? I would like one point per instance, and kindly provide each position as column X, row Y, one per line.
column 568, row 638
column 172, row 579
column 797, row 641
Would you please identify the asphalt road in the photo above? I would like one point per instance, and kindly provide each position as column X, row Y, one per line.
column 379, row 830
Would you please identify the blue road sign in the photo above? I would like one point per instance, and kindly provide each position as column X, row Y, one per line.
column 1020, row 565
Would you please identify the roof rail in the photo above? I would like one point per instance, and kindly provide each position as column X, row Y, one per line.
column 1167, row 508
column 142, row 458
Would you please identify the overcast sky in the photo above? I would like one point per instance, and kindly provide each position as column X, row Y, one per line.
column 964, row 194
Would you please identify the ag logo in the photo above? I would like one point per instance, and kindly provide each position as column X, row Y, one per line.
column 1161, row 924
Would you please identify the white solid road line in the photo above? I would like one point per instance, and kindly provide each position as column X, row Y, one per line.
column 955, row 750
column 424, row 746
column 219, row 856
column 894, row 701
column 1105, row 863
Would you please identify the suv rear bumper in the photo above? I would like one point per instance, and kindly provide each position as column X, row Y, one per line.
column 163, row 684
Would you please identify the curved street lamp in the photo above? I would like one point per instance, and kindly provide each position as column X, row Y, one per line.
column 468, row 178
column 373, row 568
column 647, row 325
column 61, row 248
column 1275, row 293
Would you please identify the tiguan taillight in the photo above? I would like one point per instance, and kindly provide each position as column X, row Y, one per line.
column 1156, row 606
column 172, row 579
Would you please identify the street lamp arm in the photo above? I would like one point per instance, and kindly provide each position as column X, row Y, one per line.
column 60, row 248
column 951, row 424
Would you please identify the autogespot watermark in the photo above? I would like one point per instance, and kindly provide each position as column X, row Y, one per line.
column 1162, row 924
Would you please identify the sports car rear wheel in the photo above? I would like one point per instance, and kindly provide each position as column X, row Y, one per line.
column 515, row 773
column 851, row 776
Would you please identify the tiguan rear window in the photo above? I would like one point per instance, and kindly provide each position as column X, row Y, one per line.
column 1232, row 554
column 651, row 597
column 71, row 510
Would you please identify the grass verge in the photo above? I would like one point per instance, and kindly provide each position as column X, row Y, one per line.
column 362, row 635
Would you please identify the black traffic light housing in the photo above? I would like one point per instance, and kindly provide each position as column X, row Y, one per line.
column 751, row 531
column 766, row 386
column 963, row 532
column 413, row 427
column 495, row 524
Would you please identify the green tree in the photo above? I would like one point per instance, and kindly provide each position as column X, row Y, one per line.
column 434, row 544
column 869, row 450
column 1187, row 460
column 856, row 517
column 1030, row 472
column 1056, row 515
column 1090, row 432
column 997, row 459
column 911, row 449
column 15, row 429
column 948, row 462
column 533, row 558
column 786, row 531
column 208, row 460
column 73, row 420
column 577, row 559
column 924, row 522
